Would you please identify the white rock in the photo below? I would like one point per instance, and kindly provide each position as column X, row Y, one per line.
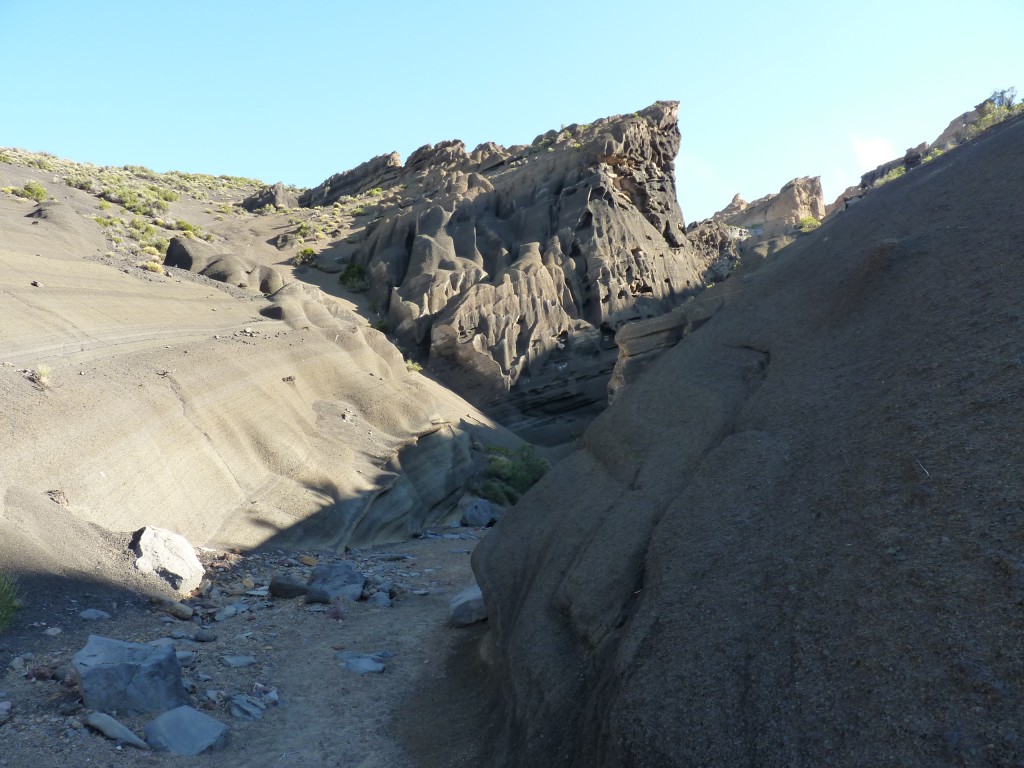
column 168, row 555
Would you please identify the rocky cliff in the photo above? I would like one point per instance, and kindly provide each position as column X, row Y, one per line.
column 777, row 214
column 794, row 541
column 508, row 270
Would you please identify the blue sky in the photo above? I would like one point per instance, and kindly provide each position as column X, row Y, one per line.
column 297, row 91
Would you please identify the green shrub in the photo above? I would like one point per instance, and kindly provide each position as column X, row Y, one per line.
column 9, row 599
column 892, row 175
column 412, row 366
column 808, row 224
column 32, row 191
column 354, row 277
column 305, row 229
column 152, row 266
column 510, row 474
column 305, row 256
column 375, row 192
column 383, row 325
column 79, row 181
column 932, row 155
column 360, row 211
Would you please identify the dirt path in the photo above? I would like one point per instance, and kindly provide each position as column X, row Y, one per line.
column 326, row 715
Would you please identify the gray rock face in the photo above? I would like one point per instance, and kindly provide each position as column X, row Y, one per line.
column 379, row 172
column 186, row 731
column 129, row 678
column 276, row 195
column 169, row 556
column 511, row 269
column 750, row 558
column 467, row 608
column 328, row 582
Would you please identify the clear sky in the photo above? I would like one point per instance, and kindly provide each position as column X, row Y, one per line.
column 296, row 91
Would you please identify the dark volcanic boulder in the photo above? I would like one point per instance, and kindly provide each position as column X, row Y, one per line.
column 795, row 540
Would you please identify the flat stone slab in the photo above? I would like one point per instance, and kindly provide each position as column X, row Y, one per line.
column 361, row 663
column 186, row 731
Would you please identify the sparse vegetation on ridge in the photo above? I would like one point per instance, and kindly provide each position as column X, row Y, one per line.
column 892, row 175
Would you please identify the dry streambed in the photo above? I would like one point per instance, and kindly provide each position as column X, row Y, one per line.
column 295, row 682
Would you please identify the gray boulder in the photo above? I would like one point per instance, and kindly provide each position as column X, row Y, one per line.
column 287, row 586
column 186, row 731
column 169, row 556
column 328, row 582
column 477, row 512
column 130, row 678
column 467, row 608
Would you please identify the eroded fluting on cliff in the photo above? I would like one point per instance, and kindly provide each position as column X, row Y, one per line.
column 510, row 269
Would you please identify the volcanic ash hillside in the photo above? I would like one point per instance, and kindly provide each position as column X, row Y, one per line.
column 510, row 270
column 795, row 541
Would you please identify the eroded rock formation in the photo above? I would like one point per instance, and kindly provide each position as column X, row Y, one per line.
column 510, row 270
column 779, row 213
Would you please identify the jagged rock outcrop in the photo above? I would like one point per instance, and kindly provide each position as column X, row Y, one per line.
column 510, row 270
column 794, row 541
column 378, row 172
column 276, row 196
column 777, row 214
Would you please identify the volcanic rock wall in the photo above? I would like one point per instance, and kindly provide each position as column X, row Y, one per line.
column 510, row 270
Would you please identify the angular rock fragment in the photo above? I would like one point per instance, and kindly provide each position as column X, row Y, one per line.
column 129, row 678
column 467, row 608
column 186, row 731
column 112, row 729
column 328, row 582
